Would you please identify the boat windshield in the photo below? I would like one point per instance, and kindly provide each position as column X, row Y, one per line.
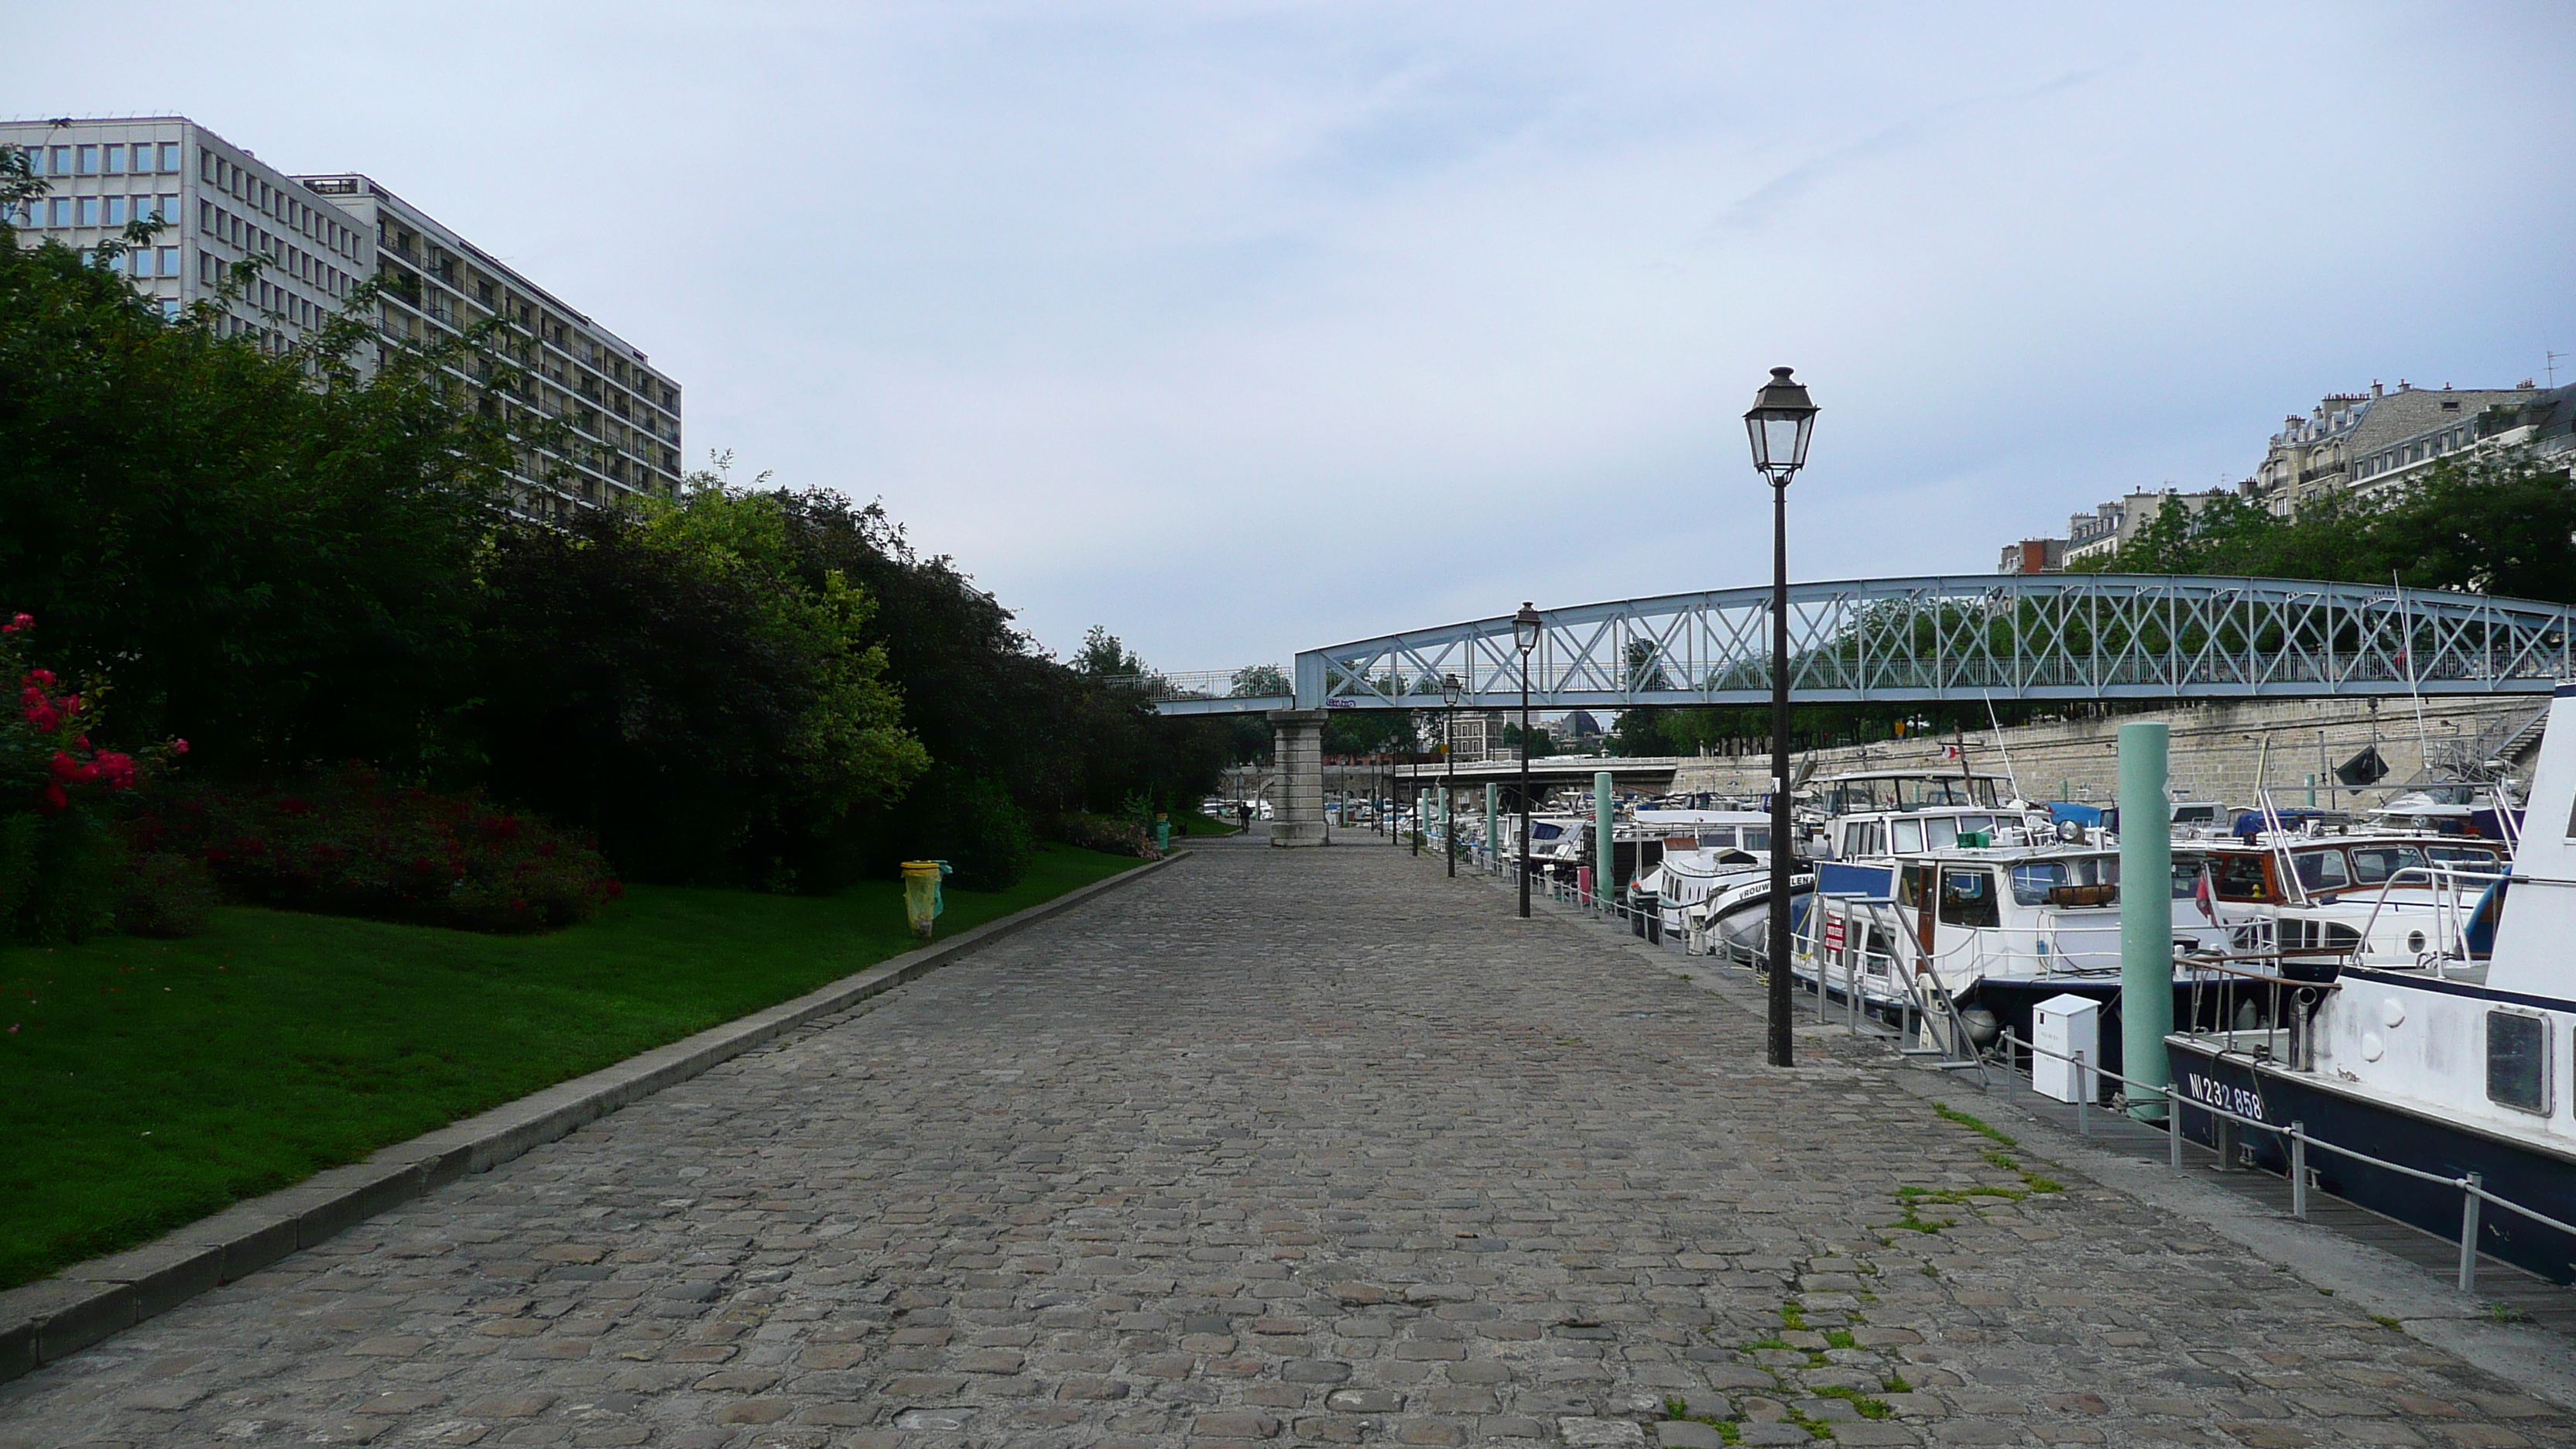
column 2084, row 880
column 2231, row 877
column 2372, row 864
column 2468, row 856
column 1940, row 832
column 1900, row 792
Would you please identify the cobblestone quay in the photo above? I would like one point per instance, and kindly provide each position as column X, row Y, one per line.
column 1276, row 1147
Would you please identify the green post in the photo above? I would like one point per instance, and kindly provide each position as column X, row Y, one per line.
column 2312, row 792
column 1605, row 884
column 1493, row 824
column 2146, row 917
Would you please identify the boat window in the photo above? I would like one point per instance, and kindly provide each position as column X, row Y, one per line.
column 1968, row 898
column 2083, row 881
column 2322, row 870
column 1546, row 832
column 1757, row 838
column 2518, row 1061
column 1941, row 831
column 2372, row 864
column 1969, row 823
column 1909, row 885
column 1716, row 839
column 1909, row 836
column 2473, row 857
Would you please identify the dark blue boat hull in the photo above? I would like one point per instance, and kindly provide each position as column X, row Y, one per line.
column 2542, row 1180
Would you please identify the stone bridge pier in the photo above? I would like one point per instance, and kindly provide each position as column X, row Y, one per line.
column 1297, row 753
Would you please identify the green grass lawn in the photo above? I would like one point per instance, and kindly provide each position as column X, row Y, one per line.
column 291, row 1043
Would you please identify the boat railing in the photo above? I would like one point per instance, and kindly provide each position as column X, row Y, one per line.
column 2296, row 1142
column 2454, row 908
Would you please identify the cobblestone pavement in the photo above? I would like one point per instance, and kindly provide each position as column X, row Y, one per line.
column 1310, row 1147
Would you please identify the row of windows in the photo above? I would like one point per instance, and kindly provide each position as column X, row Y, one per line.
column 50, row 211
column 140, row 158
column 282, row 206
column 214, row 221
column 2416, row 452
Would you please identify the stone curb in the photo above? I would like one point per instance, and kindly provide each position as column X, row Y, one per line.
column 53, row 1318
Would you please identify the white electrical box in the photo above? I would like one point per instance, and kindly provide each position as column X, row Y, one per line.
column 2068, row 1026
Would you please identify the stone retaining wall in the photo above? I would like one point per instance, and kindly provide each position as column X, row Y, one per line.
column 2217, row 750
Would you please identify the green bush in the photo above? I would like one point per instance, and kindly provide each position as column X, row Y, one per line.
column 1108, row 834
column 983, row 836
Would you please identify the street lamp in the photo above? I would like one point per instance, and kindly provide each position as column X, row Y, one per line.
column 1525, row 627
column 1781, row 421
column 1449, row 692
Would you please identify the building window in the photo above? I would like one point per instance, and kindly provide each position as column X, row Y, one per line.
column 169, row 156
column 115, row 160
column 169, row 261
column 86, row 211
column 87, row 163
column 114, row 206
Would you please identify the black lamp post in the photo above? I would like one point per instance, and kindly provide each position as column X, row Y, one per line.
column 1525, row 627
column 1449, row 692
column 1780, row 423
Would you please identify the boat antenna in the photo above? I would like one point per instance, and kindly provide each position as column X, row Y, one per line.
column 2009, row 773
column 2423, row 750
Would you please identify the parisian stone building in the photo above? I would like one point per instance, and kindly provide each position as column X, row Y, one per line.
column 316, row 238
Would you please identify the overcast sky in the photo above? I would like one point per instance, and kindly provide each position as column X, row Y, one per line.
column 1246, row 328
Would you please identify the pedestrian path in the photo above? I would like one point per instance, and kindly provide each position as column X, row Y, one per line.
column 1276, row 1147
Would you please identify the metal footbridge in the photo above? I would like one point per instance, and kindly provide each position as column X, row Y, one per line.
column 1998, row 637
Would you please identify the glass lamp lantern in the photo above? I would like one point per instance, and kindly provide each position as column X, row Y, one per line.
column 1779, row 424
column 1525, row 627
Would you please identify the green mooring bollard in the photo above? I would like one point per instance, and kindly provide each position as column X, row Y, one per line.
column 1163, row 833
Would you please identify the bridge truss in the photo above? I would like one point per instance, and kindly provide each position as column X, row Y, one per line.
column 2001, row 637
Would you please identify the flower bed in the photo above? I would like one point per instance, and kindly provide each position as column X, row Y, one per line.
column 354, row 844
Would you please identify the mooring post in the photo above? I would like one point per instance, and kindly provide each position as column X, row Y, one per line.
column 2299, row 1171
column 1493, row 826
column 1605, row 874
column 2469, row 1231
column 2146, row 918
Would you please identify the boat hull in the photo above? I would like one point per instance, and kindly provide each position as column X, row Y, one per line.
column 2544, row 1180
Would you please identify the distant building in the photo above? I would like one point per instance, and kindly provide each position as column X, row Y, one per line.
column 2034, row 556
column 2099, row 534
column 2414, row 428
column 2310, row 457
column 316, row 239
column 2370, row 446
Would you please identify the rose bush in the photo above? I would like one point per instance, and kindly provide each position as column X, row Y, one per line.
column 354, row 843
column 63, row 874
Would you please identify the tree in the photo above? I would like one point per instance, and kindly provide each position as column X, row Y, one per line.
column 269, row 554
column 1103, row 657
column 2500, row 524
column 666, row 679
column 1262, row 681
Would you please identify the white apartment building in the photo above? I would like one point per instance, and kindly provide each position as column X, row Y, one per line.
column 316, row 239
column 624, row 415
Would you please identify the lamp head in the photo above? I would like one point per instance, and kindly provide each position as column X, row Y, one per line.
column 1525, row 627
column 1779, row 424
column 1450, row 690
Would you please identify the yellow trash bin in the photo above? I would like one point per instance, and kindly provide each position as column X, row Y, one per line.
column 921, row 898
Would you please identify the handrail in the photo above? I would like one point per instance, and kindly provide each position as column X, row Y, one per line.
column 2472, row 1185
